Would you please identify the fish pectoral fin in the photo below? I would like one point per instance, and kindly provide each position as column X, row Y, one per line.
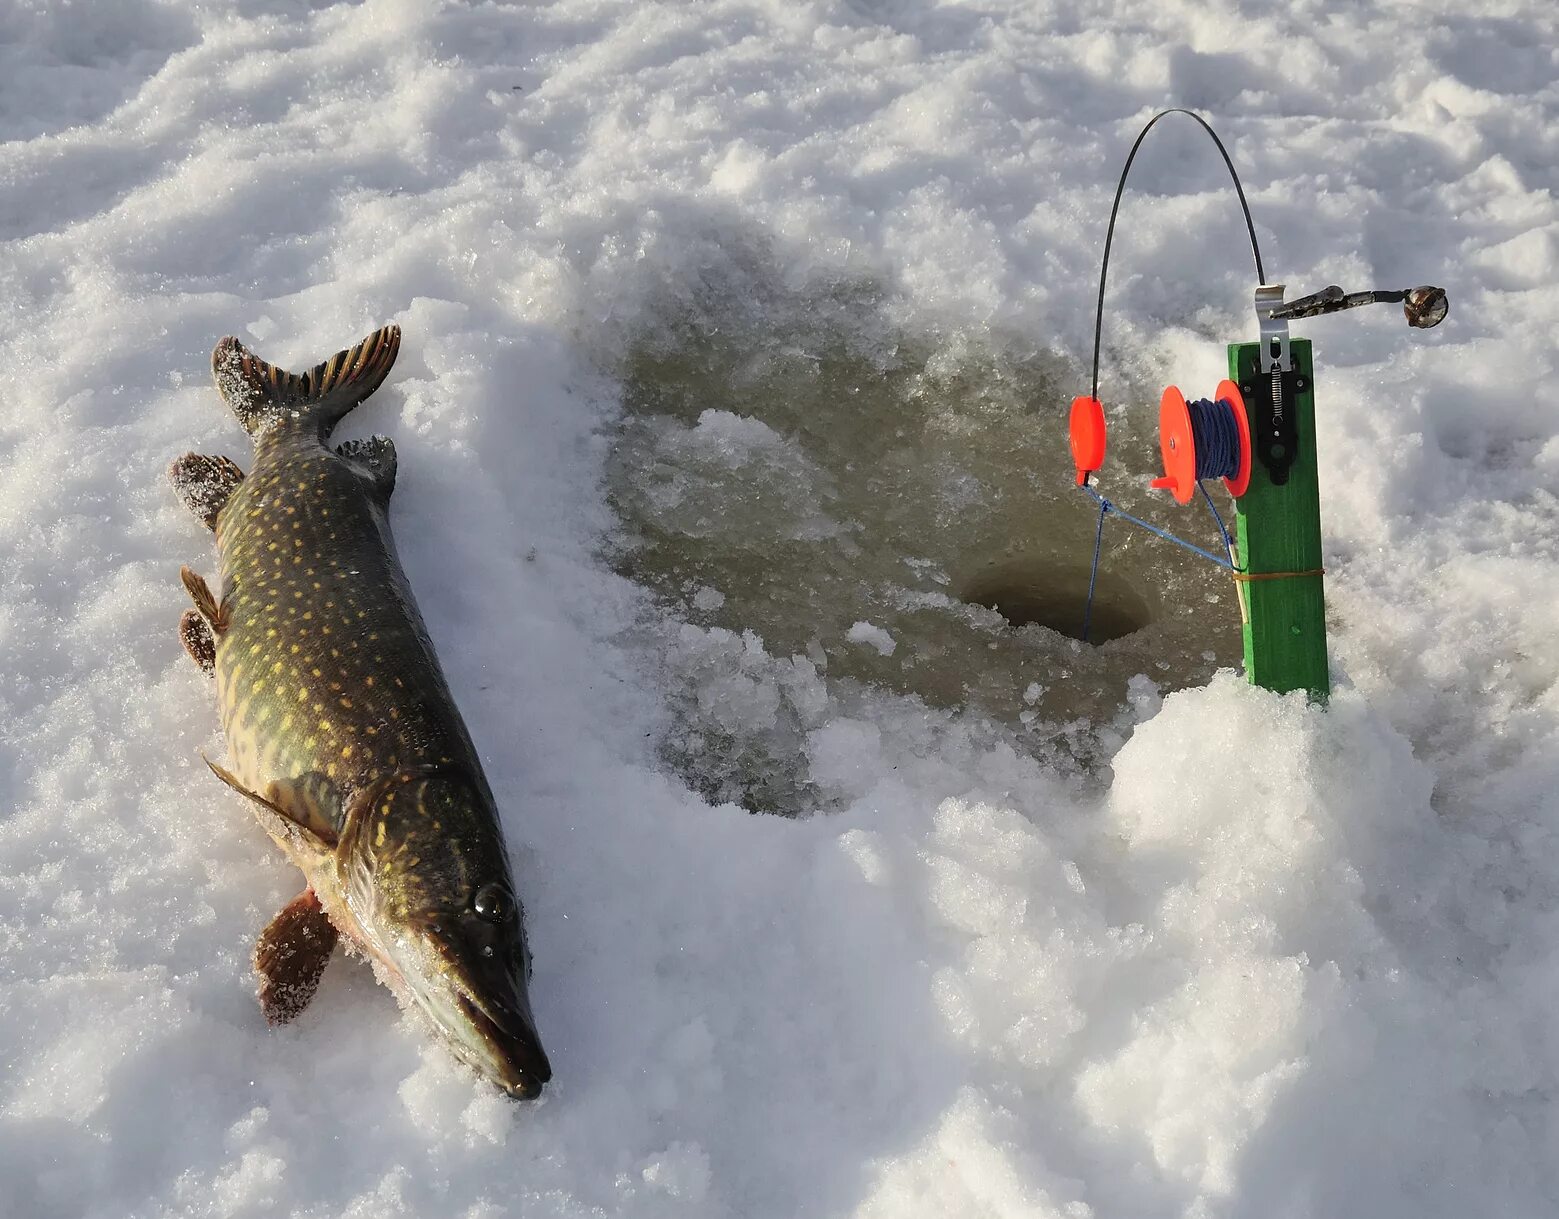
column 300, row 840
column 290, row 956
column 312, row 800
column 198, row 641
column 376, row 458
column 200, row 593
column 204, row 484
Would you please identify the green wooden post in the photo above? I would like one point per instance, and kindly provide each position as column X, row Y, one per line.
column 1280, row 531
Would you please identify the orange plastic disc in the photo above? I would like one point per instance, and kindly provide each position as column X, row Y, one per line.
column 1087, row 431
column 1177, row 446
column 1229, row 392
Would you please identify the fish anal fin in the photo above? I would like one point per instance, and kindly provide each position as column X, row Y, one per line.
column 376, row 458
column 291, row 955
column 262, row 395
column 198, row 641
column 214, row 614
column 204, row 484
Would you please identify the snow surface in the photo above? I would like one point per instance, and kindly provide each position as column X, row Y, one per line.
column 1269, row 961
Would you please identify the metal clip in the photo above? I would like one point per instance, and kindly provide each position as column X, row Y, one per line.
column 1274, row 331
column 1274, row 428
column 1423, row 307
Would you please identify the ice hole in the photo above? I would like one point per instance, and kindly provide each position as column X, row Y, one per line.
column 827, row 507
column 1035, row 591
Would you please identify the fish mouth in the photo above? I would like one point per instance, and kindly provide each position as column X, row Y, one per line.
column 502, row 1045
column 486, row 1021
column 474, row 1001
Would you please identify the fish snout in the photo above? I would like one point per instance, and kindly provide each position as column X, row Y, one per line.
column 511, row 1053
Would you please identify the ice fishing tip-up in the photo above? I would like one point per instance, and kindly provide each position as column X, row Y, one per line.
column 1257, row 434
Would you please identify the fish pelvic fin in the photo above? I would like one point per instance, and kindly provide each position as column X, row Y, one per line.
column 264, row 396
column 211, row 610
column 198, row 641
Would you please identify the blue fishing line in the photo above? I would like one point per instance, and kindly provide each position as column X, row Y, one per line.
column 1228, row 545
column 1093, row 576
column 1217, row 430
column 1165, row 534
column 1217, row 438
column 1106, row 507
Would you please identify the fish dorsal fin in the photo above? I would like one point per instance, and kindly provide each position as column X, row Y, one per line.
column 263, row 396
column 375, row 456
column 295, row 835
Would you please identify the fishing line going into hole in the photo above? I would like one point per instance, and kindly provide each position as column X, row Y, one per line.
column 1202, row 439
column 1199, row 440
column 1106, row 507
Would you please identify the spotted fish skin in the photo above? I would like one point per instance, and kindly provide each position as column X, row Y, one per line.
column 340, row 725
column 325, row 668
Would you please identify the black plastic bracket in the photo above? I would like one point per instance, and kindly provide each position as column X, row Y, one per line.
column 1269, row 392
column 1274, row 420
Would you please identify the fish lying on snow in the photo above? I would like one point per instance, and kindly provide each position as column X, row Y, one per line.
column 339, row 723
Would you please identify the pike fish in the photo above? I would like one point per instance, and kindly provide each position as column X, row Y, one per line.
column 339, row 723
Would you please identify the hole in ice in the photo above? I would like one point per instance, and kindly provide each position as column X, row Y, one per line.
column 824, row 505
column 1038, row 591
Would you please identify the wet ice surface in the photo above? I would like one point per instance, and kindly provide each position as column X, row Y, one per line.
column 1247, row 959
column 788, row 467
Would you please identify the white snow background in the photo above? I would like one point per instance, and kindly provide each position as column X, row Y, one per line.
column 1269, row 962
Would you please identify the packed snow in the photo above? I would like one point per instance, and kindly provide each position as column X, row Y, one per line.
column 1224, row 954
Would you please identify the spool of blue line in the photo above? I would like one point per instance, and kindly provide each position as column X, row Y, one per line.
column 1208, row 438
column 1216, row 437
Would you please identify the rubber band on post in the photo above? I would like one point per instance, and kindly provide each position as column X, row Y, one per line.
column 1245, row 577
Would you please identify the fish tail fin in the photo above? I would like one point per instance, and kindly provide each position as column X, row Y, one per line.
column 263, row 396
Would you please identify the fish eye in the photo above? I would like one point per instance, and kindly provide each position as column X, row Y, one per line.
column 492, row 903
